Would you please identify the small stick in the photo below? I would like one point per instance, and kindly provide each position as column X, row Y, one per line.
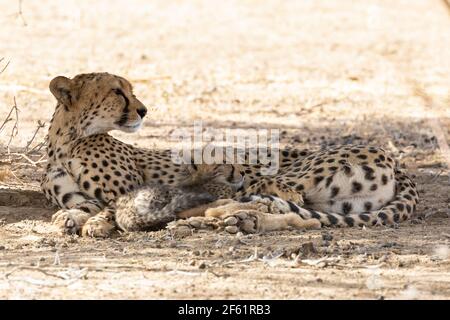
column 6, row 66
column 6, row 275
column 20, row 14
column 14, row 175
column 15, row 129
column 38, row 148
column 7, row 119
column 40, row 125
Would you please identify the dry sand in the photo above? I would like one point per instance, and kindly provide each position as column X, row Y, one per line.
column 322, row 72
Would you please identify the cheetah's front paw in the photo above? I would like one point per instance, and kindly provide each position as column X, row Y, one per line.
column 70, row 221
column 97, row 227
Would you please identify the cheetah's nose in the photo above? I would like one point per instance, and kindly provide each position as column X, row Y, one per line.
column 142, row 112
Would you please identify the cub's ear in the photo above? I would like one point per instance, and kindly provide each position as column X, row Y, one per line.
column 62, row 89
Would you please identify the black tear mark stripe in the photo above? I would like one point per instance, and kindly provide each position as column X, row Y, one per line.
column 127, row 101
column 124, row 118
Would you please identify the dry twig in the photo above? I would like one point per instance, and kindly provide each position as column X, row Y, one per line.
column 40, row 125
column 6, row 65
column 6, row 275
column 20, row 14
column 15, row 129
column 8, row 118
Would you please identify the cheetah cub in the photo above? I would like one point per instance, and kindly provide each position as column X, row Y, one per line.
column 152, row 206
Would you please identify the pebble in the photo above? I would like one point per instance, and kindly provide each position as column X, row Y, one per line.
column 308, row 248
column 183, row 232
column 195, row 223
column 2, row 247
column 173, row 244
column 327, row 237
column 389, row 245
column 202, row 265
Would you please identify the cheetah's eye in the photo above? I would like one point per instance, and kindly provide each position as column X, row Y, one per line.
column 119, row 92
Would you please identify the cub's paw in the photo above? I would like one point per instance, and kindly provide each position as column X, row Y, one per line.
column 97, row 227
column 70, row 221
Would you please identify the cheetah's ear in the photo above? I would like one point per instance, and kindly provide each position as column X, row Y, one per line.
column 62, row 89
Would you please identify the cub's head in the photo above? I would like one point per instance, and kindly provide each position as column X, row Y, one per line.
column 98, row 103
column 226, row 174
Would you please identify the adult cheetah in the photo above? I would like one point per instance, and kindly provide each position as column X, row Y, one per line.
column 87, row 168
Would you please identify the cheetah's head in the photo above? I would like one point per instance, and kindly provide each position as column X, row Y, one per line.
column 98, row 103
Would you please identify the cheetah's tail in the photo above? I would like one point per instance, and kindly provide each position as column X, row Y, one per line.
column 399, row 209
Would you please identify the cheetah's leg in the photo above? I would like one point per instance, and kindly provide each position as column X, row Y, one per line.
column 256, row 221
column 268, row 186
column 100, row 225
column 200, row 210
column 76, row 207
column 264, row 220
column 232, row 207
column 278, row 222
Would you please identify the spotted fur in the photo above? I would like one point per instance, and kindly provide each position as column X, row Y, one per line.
column 397, row 210
column 152, row 206
column 88, row 168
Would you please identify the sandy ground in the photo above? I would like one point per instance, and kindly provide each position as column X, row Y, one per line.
column 322, row 72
